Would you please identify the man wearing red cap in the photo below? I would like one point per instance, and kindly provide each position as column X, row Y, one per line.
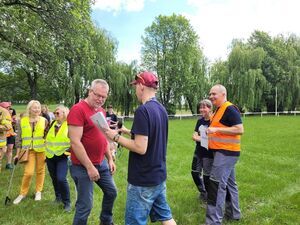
column 147, row 157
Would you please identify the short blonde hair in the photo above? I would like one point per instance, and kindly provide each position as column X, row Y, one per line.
column 30, row 104
column 64, row 109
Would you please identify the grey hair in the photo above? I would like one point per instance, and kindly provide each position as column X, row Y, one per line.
column 206, row 102
column 99, row 81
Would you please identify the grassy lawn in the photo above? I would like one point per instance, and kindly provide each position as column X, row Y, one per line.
column 267, row 175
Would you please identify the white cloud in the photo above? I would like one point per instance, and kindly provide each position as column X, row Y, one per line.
column 129, row 53
column 118, row 5
column 133, row 5
column 218, row 22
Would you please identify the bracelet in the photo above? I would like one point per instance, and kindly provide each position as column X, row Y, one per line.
column 116, row 138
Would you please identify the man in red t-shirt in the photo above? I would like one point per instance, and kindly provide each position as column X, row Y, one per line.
column 88, row 148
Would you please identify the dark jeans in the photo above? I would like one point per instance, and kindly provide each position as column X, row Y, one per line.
column 85, row 187
column 58, row 169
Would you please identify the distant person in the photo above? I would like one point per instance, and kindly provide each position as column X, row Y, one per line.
column 44, row 113
column 10, row 134
column 203, row 158
column 57, row 152
column 112, row 120
column 5, row 126
column 88, row 150
column 111, row 117
column 224, row 135
column 146, row 190
column 30, row 136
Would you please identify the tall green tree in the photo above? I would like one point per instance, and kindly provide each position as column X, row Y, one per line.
column 170, row 48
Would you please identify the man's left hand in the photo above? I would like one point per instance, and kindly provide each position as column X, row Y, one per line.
column 112, row 167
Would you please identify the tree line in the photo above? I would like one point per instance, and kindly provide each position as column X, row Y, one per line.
column 52, row 50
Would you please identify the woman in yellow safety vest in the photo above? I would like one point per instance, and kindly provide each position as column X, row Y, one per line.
column 31, row 132
column 57, row 152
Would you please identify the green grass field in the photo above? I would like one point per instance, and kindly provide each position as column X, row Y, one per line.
column 267, row 175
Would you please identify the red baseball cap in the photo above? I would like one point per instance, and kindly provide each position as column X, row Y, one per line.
column 146, row 78
column 5, row 104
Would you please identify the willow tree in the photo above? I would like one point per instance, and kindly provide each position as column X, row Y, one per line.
column 280, row 68
column 241, row 74
column 170, row 48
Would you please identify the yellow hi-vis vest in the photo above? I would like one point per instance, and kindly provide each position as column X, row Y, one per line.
column 57, row 144
column 222, row 141
column 33, row 140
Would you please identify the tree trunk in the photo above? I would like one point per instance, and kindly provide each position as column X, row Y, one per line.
column 32, row 81
column 191, row 106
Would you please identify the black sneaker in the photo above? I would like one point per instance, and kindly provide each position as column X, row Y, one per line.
column 9, row 166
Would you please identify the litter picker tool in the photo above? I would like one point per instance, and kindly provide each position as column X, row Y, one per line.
column 7, row 199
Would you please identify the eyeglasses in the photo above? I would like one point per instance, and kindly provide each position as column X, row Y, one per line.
column 97, row 95
column 56, row 113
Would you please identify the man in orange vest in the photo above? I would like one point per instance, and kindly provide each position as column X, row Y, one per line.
column 224, row 140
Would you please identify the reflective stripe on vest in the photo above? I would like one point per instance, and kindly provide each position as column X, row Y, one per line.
column 2, row 143
column 59, row 143
column 219, row 140
column 33, row 140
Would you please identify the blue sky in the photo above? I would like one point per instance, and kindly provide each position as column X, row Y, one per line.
column 216, row 22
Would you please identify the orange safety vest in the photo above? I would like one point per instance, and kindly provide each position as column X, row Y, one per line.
column 219, row 140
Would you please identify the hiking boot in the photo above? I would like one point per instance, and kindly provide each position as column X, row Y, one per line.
column 18, row 199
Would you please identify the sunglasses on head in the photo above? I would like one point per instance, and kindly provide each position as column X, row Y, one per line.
column 140, row 77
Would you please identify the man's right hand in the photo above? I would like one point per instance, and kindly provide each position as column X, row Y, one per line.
column 93, row 173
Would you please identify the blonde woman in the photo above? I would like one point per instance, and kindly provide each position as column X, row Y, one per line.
column 57, row 151
column 31, row 129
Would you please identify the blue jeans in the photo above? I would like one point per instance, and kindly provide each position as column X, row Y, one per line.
column 58, row 169
column 144, row 201
column 84, row 188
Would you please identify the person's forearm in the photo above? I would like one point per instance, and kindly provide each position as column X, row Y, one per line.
column 108, row 153
column 234, row 130
column 132, row 145
column 18, row 141
column 81, row 155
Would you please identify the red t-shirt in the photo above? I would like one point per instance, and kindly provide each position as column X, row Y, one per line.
column 93, row 140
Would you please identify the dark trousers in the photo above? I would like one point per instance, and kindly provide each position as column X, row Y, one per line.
column 223, row 190
column 58, row 169
column 201, row 167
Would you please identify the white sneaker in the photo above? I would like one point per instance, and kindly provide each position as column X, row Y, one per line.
column 18, row 199
column 38, row 196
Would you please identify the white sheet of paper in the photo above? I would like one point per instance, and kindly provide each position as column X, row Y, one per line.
column 204, row 138
column 100, row 122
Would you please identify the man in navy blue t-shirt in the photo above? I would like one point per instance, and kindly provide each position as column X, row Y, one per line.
column 146, row 191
